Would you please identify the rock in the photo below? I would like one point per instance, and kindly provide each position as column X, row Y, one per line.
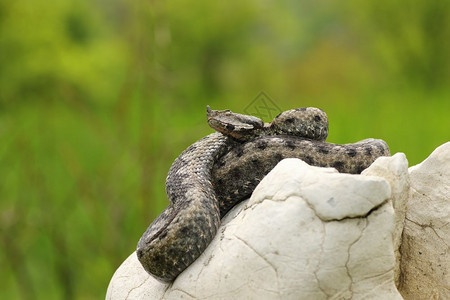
column 395, row 170
column 425, row 250
column 306, row 233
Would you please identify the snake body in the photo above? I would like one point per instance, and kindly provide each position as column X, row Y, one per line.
column 223, row 168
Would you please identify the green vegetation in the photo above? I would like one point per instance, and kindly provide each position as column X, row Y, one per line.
column 97, row 98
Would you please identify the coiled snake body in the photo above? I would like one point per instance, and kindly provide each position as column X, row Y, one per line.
column 223, row 168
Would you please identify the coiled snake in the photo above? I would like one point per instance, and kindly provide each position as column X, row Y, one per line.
column 223, row 168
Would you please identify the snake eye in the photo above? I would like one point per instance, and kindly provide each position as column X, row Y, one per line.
column 317, row 118
column 230, row 127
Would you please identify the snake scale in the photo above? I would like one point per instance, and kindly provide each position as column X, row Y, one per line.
column 223, row 168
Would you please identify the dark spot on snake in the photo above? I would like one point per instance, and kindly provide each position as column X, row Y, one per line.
column 368, row 150
column 381, row 148
column 171, row 252
column 185, row 230
column 309, row 160
column 279, row 156
column 290, row 144
column 255, row 161
column 351, row 152
column 162, row 235
column 239, row 151
column 317, row 118
column 261, row 145
column 236, row 173
column 182, row 162
column 338, row 165
column 359, row 168
column 290, row 120
column 220, row 163
column 323, row 149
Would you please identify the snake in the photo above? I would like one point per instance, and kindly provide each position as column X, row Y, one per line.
column 220, row 170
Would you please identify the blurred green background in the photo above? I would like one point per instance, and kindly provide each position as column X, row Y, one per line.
column 98, row 97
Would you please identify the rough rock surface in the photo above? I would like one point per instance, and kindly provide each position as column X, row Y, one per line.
column 395, row 170
column 306, row 233
column 425, row 249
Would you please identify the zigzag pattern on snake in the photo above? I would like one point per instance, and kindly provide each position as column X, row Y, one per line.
column 223, row 168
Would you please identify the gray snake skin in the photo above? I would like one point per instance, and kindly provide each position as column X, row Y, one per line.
column 223, row 168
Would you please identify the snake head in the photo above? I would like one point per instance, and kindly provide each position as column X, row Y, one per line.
column 238, row 126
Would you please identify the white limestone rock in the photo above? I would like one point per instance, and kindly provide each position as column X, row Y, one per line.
column 395, row 170
column 425, row 249
column 306, row 233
